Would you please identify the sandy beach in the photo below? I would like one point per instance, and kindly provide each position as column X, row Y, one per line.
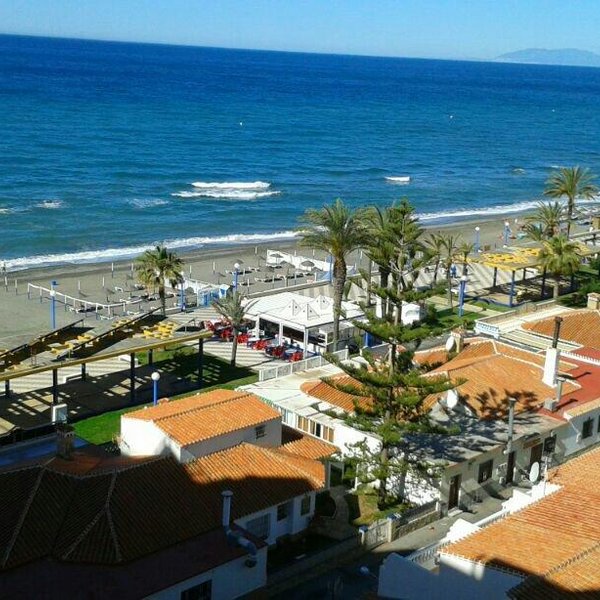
column 22, row 318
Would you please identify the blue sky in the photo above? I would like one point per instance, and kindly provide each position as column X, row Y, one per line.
column 415, row 28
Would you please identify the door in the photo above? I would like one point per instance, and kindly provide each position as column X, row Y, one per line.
column 510, row 467
column 453, row 492
column 536, row 454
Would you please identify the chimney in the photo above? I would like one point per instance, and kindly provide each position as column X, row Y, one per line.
column 227, row 494
column 459, row 339
column 552, row 356
column 65, row 440
column 593, row 301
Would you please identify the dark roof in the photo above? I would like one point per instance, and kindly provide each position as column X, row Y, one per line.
column 115, row 510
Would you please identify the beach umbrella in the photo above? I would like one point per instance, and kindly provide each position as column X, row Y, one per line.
column 308, row 264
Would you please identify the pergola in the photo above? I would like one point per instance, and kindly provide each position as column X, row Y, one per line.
column 518, row 258
column 303, row 315
column 76, row 345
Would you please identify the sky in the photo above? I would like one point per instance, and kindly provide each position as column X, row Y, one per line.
column 454, row 29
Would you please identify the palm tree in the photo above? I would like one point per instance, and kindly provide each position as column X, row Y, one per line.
column 338, row 230
column 433, row 252
column 464, row 249
column 379, row 247
column 571, row 182
column 546, row 220
column 154, row 267
column 560, row 257
column 449, row 246
column 231, row 309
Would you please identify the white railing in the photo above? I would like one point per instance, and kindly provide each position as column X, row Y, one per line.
column 45, row 293
column 579, row 357
column 313, row 362
column 487, row 329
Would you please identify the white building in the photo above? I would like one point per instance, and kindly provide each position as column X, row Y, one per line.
column 199, row 425
column 303, row 320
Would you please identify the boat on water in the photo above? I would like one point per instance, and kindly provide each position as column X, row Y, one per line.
column 401, row 179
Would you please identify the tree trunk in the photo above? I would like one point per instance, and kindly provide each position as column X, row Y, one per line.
column 382, row 491
column 556, row 286
column 449, row 280
column 163, row 303
column 570, row 207
column 234, row 347
column 544, row 272
column 435, row 272
column 384, row 279
column 339, row 273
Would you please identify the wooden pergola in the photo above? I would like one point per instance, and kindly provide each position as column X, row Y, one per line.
column 518, row 258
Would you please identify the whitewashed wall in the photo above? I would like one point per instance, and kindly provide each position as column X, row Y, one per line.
column 231, row 580
column 143, row 438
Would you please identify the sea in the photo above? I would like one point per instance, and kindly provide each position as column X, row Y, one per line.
column 108, row 148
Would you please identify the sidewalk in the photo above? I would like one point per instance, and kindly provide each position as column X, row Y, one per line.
column 430, row 534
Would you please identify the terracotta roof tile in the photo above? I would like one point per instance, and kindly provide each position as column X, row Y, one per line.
column 322, row 390
column 581, row 327
column 549, row 534
column 295, row 442
column 112, row 516
column 257, row 476
column 201, row 419
column 178, row 407
column 493, row 372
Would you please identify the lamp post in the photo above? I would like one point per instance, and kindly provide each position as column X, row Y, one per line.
column 182, row 299
column 236, row 273
column 461, row 294
column 506, row 232
column 477, row 231
column 155, row 378
column 53, row 284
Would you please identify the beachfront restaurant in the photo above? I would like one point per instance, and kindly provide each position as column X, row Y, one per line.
column 302, row 321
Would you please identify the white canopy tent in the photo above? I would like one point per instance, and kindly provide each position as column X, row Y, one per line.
column 302, row 319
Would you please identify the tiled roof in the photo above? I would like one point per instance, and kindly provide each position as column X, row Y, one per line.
column 547, row 535
column 307, row 446
column 581, row 327
column 582, row 409
column 257, row 476
column 322, row 390
column 119, row 512
column 201, row 418
column 493, row 372
column 577, row 578
column 178, row 407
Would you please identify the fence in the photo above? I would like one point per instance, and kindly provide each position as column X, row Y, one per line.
column 487, row 325
column 314, row 362
column 395, row 526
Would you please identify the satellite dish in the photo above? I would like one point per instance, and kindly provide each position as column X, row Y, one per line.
column 450, row 343
column 451, row 398
column 534, row 472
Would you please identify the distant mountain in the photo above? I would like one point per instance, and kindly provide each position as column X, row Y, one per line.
column 541, row 56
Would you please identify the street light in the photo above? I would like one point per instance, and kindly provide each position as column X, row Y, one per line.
column 461, row 294
column 155, row 377
column 236, row 272
column 506, row 232
column 53, row 305
column 477, row 230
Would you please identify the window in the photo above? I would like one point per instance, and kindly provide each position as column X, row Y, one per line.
column 259, row 527
column 260, row 431
column 586, row 430
column 282, row 512
column 202, row 591
column 485, row 471
column 302, row 423
column 305, row 505
column 315, row 428
column 328, row 434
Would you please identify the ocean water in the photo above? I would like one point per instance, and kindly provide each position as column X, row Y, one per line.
column 107, row 148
